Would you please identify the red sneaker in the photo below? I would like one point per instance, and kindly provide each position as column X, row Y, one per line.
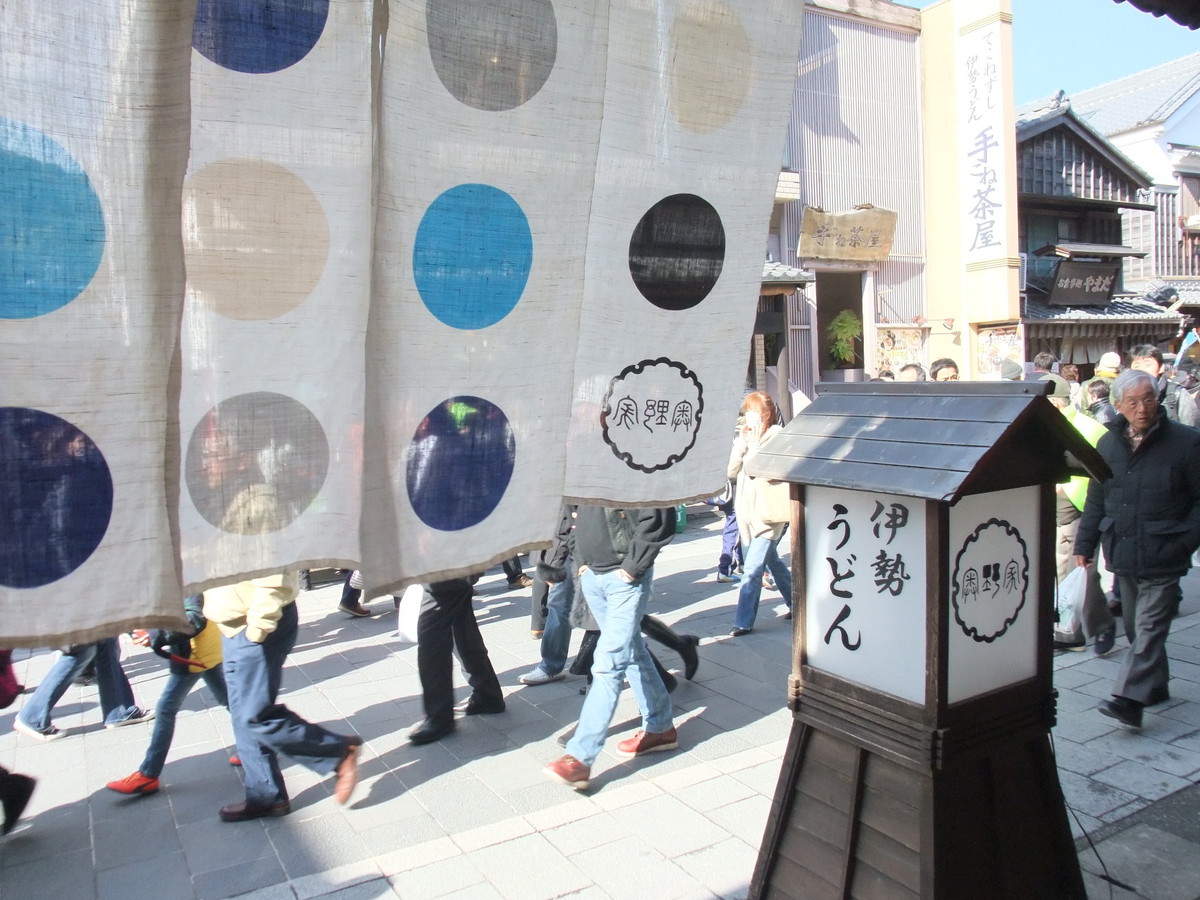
column 235, row 761
column 649, row 742
column 134, row 785
column 570, row 772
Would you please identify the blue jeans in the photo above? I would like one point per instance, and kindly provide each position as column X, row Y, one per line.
column 556, row 638
column 618, row 608
column 116, row 696
column 761, row 554
column 731, row 547
column 263, row 728
column 178, row 686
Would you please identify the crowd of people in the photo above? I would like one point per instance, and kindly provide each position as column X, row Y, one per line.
column 1135, row 535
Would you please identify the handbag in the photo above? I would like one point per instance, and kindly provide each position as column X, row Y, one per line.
column 408, row 611
column 1068, row 602
column 773, row 501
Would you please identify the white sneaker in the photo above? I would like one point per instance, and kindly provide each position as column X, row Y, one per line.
column 539, row 675
column 49, row 733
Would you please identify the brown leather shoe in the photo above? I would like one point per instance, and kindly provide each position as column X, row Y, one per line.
column 244, row 812
column 347, row 773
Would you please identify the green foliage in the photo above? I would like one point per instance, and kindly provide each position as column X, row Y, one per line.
column 843, row 330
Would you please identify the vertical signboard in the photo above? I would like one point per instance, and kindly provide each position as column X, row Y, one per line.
column 865, row 559
column 993, row 560
column 983, row 160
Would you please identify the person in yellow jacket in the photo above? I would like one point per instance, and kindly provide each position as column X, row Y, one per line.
column 200, row 644
column 258, row 623
column 1096, row 619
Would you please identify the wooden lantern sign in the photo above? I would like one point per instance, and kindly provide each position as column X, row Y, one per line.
column 919, row 763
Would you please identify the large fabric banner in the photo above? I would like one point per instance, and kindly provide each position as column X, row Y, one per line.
column 277, row 220
column 430, row 268
column 93, row 145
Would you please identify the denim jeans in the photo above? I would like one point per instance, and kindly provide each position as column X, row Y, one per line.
column 731, row 547
column 264, row 728
column 177, row 688
column 556, row 638
column 618, row 608
column 761, row 554
column 116, row 696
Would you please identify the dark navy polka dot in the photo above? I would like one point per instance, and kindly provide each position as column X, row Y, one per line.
column 56, row 497
column 257, row 36
column 51, row 224
column 460, row 463
column 677, row 251
column 472, row 256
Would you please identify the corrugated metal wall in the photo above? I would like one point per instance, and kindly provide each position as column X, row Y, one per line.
column 855, row 137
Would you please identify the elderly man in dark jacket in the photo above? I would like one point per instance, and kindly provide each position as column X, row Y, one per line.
column 1148, row 516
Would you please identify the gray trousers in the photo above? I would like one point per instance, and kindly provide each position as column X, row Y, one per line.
column 1148, row 606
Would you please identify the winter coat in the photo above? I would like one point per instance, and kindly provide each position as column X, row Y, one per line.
column 745, row 497
column 1148, row 513
column 606, row 539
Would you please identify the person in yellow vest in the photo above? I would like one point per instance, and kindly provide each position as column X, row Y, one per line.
column 193, row 655
column 1096, row 619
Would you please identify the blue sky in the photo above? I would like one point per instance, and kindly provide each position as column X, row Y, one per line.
column 1077, row 44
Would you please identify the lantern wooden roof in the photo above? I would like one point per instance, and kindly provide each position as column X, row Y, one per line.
column 938, row 441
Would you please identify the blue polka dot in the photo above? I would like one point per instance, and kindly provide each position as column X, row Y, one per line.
column 472, row 256
column 257, row 36
column 51, row 224
column 56, row 497
column 460, row 463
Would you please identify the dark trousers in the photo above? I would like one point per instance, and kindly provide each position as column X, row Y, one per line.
column 264, row 728
column 1148, row 605
column 447, row 624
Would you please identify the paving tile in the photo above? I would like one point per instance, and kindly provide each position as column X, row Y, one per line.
column 1155, row 863
column 527, row 868
column 1141, row 780
column 338, row 879
column 641, row 873
column 725, row 869
column 244, row 877
column 146, row 879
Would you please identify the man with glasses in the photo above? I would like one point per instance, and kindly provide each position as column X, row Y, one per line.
column 1148, row 516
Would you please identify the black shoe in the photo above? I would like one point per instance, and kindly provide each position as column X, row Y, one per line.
column 691, row 659
column 1074, row 646
column 15, row 791
column 430, row 730
column 474, row 707
column 1157, row 696
column 1105, row 640
column 244, row 812
column 738, row 632
column 1126, row 711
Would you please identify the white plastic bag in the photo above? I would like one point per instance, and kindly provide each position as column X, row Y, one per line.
column 409, row 612
column 1068, row 602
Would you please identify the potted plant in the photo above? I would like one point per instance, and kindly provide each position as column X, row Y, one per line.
column 844, row 331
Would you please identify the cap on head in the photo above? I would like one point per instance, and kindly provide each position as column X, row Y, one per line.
column 1110, row 362
column 1062, row 387
column 1011, row 370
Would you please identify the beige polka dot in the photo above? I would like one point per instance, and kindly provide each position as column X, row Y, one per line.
column 256, row 239
column 711, row 66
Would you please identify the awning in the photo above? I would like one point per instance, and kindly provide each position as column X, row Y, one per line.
column 778, row 278
column 1125, row 319
column 1071, row 250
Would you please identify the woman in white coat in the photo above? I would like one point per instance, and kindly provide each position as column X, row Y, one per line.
column 760, row 540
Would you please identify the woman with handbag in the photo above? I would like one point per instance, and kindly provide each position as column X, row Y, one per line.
column 763, row 511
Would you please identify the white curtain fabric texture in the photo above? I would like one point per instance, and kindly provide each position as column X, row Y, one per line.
column 448, row 263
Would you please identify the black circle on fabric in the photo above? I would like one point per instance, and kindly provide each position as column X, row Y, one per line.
column 677, row 251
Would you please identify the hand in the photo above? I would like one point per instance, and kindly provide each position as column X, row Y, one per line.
column 626, row 577
column 141, row 637
column 1082, row 561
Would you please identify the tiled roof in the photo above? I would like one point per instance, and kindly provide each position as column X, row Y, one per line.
column 778, row 273
column 1185, row 12
column 1121, row 309
column 1142, row 98
column 1186, row 289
